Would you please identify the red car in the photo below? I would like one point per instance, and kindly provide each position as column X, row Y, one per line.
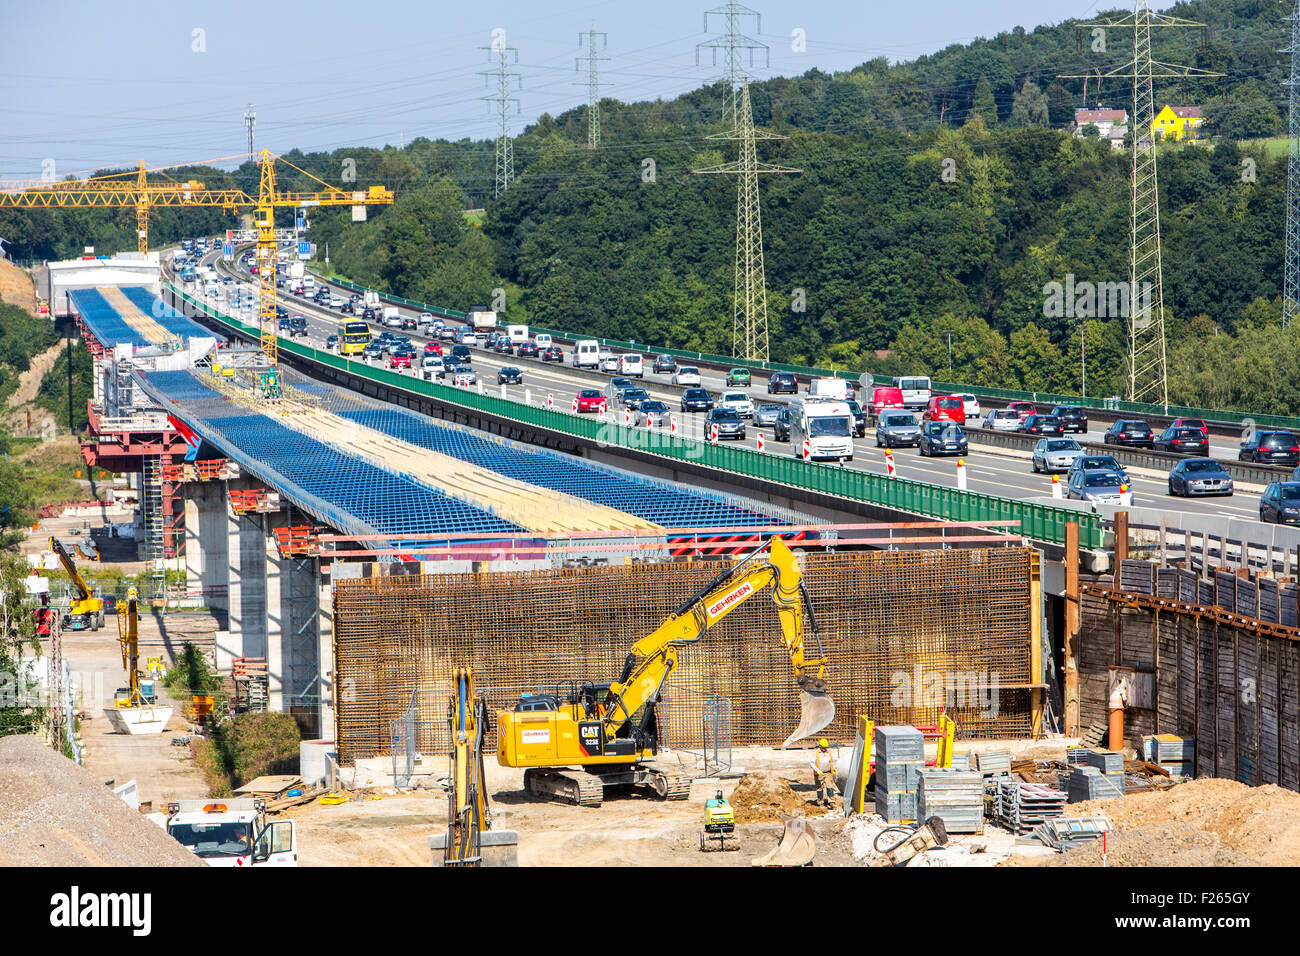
column 432, row 348
column 1192, row 423
column 1023, row 409
column 399, row 360
column 591, row 400
column 945, row 408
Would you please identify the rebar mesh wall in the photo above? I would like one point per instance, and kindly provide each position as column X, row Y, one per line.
column 1235, row 691
column 881, row 615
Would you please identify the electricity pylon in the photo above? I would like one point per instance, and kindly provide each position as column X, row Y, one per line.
column 1291, row 256
column 749, row 319
column 593, row 83
column 503, row 99
column 731, row 43
column 250, row 120
column 1148, row 379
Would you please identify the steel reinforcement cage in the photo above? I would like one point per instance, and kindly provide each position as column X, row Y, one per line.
column 906, row 633
column 1037, row 521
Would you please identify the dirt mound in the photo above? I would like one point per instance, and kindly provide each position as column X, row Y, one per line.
column 1172, row 844
column 54, row 813
column 763, row 796
column 16, row 287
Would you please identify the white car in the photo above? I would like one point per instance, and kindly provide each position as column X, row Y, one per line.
column 609, row 362
column 739, row 402
column 392, row 321
column 1003, row 420
column 464, row 376
column 971, row 406
column 426, row 318
column 686, row 375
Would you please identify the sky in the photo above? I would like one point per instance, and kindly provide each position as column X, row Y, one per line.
column 91, row 85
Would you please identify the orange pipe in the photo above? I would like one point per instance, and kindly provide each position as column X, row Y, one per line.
column 1117, row 728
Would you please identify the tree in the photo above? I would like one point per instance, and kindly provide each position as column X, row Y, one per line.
column 983, row 102
column 21, row 711
column 1030, row 107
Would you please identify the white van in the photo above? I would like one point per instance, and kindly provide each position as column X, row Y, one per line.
column 826, row 426
column 915, row 389
column 586, row 353
column 543, row 341
column 517, row 334
column 309, row 282
column 836, row 389
column 630, row 363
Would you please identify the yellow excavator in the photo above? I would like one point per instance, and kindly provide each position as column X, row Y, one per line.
column 87, row 611
column 609, row 732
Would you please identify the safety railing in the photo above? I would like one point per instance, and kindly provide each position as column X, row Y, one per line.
column 1039, row 522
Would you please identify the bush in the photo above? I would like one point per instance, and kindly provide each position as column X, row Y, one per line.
column 246, row 747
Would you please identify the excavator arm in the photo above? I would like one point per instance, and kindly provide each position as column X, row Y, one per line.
column 83, row 589
column 653, row 657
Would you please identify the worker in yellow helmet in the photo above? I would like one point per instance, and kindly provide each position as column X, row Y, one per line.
column 823, row 765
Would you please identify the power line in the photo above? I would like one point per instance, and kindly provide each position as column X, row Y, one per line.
column 593, row 82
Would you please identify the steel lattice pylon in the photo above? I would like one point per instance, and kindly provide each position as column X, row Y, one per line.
column 1291, row 256
column 731, row 43
column 505, row 171
column 593, row 84
column 1148, row 379
column 749, row 321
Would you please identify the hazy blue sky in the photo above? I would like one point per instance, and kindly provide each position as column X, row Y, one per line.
column 92, row 85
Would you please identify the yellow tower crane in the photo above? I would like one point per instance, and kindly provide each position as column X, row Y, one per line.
column 115, row 191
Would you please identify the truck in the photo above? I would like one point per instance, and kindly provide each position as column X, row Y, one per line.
column 370, row 299
column 517, row 334
column 481, row 318
column 827, row 427
column 391, row 317
column 187, row 244
column 232, row 832
column 296, row 269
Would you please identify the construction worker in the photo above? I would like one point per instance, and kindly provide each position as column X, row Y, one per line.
column 823, row 765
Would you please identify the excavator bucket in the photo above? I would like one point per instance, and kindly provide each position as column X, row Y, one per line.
column 797, row 846
column 816, row 711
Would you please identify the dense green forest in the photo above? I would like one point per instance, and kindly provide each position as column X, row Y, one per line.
column 937, row 201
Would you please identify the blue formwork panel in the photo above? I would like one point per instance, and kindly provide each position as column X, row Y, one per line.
column 165, row 315
column 104, row 321
column 665, row 505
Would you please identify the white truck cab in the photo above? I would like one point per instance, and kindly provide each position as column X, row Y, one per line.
column 232, row 832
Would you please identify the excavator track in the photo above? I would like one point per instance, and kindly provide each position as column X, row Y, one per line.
column 565, row 786
column 678, row 788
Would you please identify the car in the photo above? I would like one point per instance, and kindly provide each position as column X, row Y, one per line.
column 897, row 427
column 1275, row 448
column 409, row 324
column 686, row 375
column 509, row 376
column 464, row 375
column 332, row 341
column 1129, row 431
column 467, row 337
column 447, row 333
column 620, row 382
column 431, row 330
column 1099, row 488
column 372, row 350
column 942, row 438
column 1055, row 454
column 369, row 314
column 608, row 362
column 859, row 418
column 553, row 354
column 527, row 350
column 395, row 344
column 1188, row 441
column 462, row 353
column 782, row 382
column 664, row 364
column 1003, row 420
column 945, row 408
column 1192, row 423
column 1199, row 476
column 696, row 400
column 765, row 414
column 1099, row 463
column 1023, row 409
column 1041, row 425
column 781, row 427
column 633, row 397
column 431, row 366
column 591, row 400
column 400, row 359
column 727, row 421
column 653, row 412
column 739, row 402
column 1074, row 418
column 432, row 348
column 425, row 318
column 970, row 405
column 738, row 377
column 1280, row 503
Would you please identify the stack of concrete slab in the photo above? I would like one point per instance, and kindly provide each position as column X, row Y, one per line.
column 900, row 756
column 1023, row 806
column 1089, row 783
column 1177, row 755
column 1107, row 761
column 954, row 796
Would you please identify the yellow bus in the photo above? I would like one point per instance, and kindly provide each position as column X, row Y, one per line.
column 354, row 338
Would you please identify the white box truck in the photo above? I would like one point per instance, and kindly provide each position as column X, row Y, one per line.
column 826, row 426
column 517, row 334
column 481, row 318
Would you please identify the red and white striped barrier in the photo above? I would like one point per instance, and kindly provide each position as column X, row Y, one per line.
column 760, row 443
column 713, row 433
column 889, row 463
column 627, row 416
column 807, row 450
column 575, row 405
column 672, row 424
column 550, row 400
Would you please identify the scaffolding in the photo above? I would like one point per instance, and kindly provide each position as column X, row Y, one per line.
column 151, row 504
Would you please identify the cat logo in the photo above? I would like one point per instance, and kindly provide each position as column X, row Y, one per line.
column 591, row 738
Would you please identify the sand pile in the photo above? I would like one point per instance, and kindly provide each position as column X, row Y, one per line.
column 54, row 813
column 762, row 797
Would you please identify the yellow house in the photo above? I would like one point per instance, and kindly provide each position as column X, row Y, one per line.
column 1178, row 122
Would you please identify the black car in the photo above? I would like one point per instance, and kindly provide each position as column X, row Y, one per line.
column 665, row 364
column 696, row 400
column 1199, row 476
column 281, row 312
column 553, row 354
column 298, row 325
column 727, row 421
column 527, row 350
column 859, row 419
column 1129, row 431
column 781, row 427
column 1187, row 441
column 409, row 323
column 331, row 341
column 633, row 397
column 1043, row 425
column 461, row 354
column 1073, row 418
column 369, row 314
column 1275, row 448
column 509, row 376
column 942, row 438
column 782, row 382
column 1280, row 503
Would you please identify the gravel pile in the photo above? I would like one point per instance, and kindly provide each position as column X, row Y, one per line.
column 54, row 813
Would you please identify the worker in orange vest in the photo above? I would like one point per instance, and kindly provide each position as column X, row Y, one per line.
column 823, row 765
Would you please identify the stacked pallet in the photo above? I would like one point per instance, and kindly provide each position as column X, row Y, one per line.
column 1089, row 783
column 900, row 756
column 1022, row 806
column 994, row 763
column 954, row 796
column 1177, row 755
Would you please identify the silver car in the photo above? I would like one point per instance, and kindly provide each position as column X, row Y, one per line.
column 1055, row 454
column 1002, row 420
column 1100, row 488
column 654, row 412
column 765, row 414
column 897, row 428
